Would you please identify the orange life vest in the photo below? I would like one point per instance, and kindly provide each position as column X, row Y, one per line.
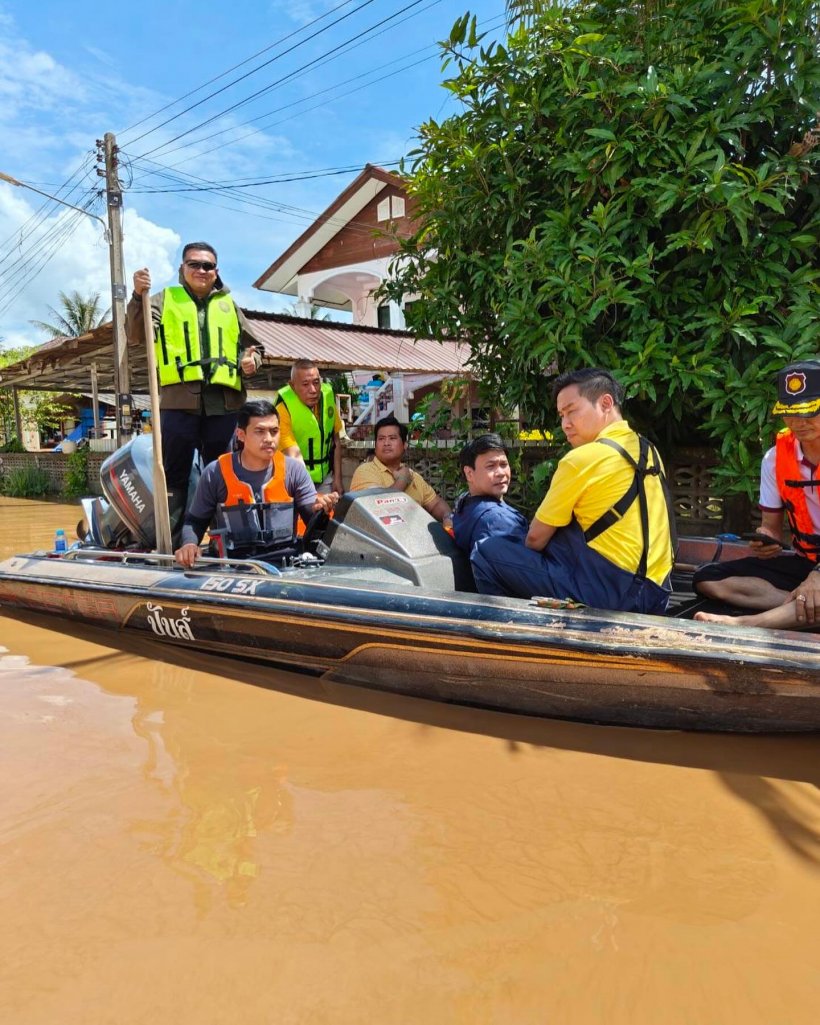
column 239, row 491
column 792, row 489
column 282, row 518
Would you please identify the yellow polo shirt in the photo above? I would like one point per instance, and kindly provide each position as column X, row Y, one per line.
column 286, row 436
column 588, row 481
column 374, row 474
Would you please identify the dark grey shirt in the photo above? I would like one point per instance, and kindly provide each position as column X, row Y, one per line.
column 212, row 492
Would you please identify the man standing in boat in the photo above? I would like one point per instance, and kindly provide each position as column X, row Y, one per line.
column 482, row 511
column 311, row 425
column 386, row 470
column 203, row 348
column 603, row 533
column 255, row 473
column 786, row 587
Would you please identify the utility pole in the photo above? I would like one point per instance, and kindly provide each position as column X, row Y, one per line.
column 107, row 151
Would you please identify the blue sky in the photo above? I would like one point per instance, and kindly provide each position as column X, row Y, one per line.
column 69, row 73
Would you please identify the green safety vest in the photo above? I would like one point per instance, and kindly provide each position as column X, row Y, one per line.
column 178, row 346
column 314, row 436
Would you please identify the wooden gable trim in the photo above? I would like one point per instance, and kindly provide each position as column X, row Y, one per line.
column 369, row 173
column 352, row 244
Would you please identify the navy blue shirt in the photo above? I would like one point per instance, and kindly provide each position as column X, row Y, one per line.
column 478, row 516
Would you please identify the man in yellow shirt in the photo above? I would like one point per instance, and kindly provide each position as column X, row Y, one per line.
column 603, row 533
column 310, row 426
column 386, row 470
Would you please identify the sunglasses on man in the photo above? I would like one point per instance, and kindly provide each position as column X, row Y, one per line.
column 200, row 265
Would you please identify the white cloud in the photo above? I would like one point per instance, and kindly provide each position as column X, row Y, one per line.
column 100, row 55
column 80, row 263
column 146, row 244
column 33, row 80
column 300, row 11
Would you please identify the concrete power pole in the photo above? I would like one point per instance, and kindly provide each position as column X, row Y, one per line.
column 119, row 292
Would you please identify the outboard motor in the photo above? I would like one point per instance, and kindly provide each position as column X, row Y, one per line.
column 388, row 529
column 126, row 515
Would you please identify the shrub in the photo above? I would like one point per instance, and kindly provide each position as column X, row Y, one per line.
column 25, row 482
column 76, row 479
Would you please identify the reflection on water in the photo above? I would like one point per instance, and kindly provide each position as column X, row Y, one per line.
column 243, row 845
column 221, row 805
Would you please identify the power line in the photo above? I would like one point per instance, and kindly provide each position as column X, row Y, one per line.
column 13, row 274
column 247, row 60
column 362, row 42
column 12, row 288
column 489, row 26
column 305, row 110
column 321, row 58
column 301, row 214
column 252, row 204
column 238, row 184
column 18, row 236
column 290, row 49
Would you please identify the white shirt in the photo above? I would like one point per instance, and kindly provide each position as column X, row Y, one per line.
column 769, row 495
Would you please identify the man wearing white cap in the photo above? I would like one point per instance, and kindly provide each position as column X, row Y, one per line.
column 787, row 586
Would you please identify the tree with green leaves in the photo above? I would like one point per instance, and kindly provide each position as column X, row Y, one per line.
column 80, row 314
column 39, row 408
column 632, row 185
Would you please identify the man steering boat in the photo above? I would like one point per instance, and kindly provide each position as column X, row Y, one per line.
column 254, row 495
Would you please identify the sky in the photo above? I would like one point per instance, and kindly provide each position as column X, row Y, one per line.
column 69, row 73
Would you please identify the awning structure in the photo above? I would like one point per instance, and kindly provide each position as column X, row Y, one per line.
column 65, row 364
column 353, row 346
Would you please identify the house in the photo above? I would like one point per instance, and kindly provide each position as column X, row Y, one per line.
column 343, row 257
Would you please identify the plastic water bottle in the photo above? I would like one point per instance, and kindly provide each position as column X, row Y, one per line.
column 60, row 541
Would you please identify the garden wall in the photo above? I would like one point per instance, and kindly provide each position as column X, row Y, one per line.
column 699, row 510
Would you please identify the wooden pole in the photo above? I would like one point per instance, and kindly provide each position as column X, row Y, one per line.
column 18, row 420
column 162, row 521
column 95, row 400
column 119, row 292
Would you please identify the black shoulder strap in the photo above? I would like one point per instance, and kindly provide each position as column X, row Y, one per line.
column 637, row 490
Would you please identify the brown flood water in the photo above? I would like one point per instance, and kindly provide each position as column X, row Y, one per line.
column 180, row 845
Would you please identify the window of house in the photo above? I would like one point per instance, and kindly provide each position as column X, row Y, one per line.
column 390, row 209
column 383, row 315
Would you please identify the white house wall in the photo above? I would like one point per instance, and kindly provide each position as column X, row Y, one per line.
column 360, row 293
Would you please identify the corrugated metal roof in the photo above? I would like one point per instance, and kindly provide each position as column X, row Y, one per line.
column 63, row 364
column 345, row 346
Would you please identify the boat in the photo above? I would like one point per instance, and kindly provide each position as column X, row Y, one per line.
column 382, row 600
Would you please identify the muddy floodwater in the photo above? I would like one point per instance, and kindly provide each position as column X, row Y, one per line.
column 189, row 841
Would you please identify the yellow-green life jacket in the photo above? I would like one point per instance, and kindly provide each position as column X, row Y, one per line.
column 179, row 349
column 314, row 435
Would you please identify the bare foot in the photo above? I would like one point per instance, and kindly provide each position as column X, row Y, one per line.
column 713, row 617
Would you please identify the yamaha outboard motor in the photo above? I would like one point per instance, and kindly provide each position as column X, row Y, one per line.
column 125, row 517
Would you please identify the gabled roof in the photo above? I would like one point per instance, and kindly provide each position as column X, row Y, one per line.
column 281, row 273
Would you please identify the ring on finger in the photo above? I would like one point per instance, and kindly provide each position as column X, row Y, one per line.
column 801, row 597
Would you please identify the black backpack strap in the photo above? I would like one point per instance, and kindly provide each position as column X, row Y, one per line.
column 617, row 512
column 636, row 490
